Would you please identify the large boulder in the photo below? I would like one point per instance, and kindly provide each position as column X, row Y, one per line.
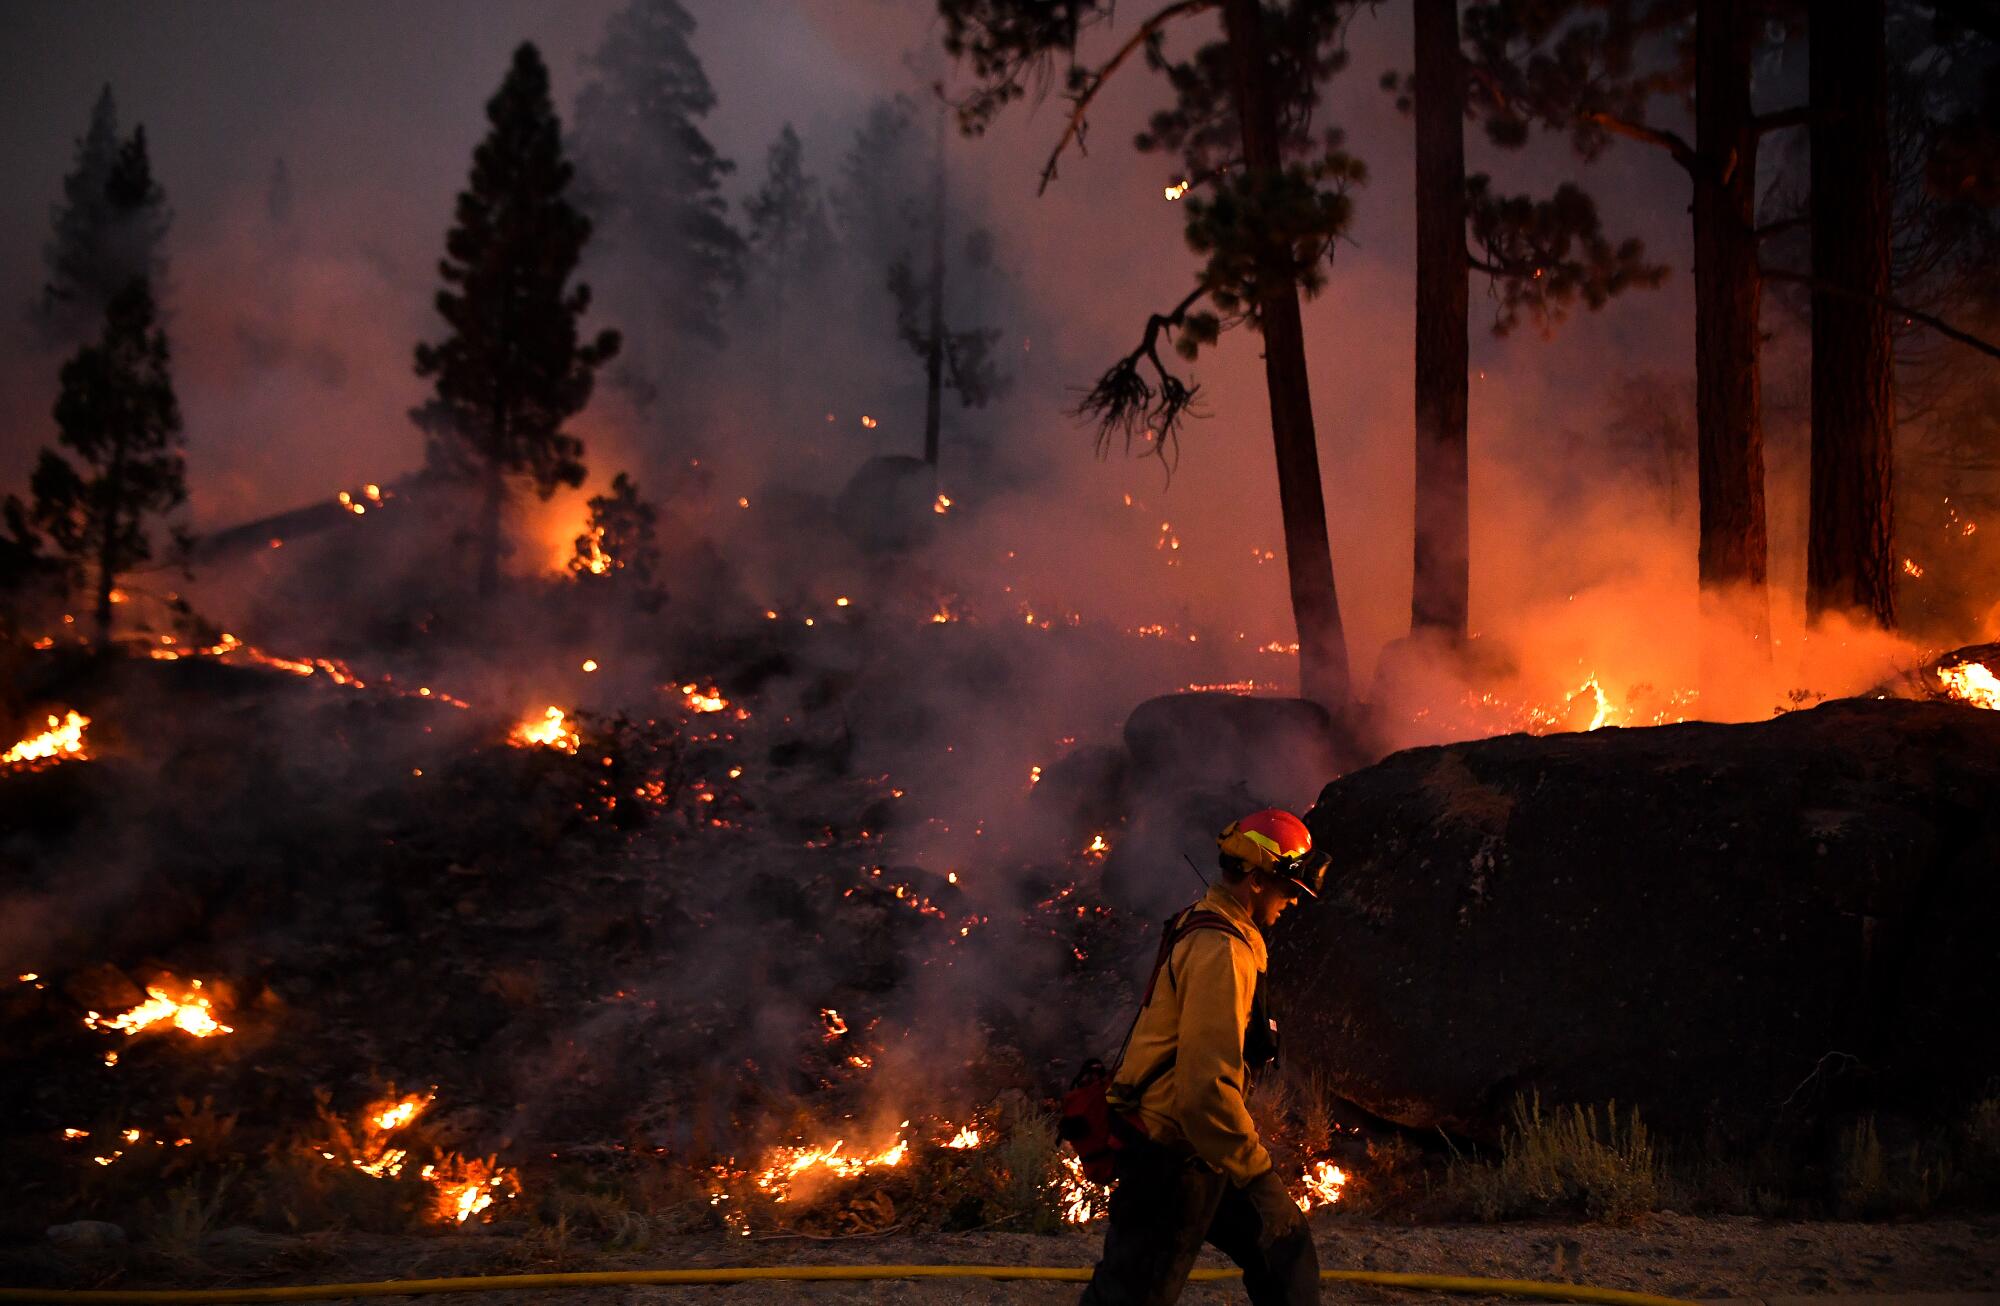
column 1196, row 762
column 1719, row 923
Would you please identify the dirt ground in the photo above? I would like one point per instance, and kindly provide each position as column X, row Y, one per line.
column 1665, row 1254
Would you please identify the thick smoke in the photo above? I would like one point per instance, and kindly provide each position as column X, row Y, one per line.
column 1068, row 590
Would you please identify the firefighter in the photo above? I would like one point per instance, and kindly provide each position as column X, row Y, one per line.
column 1190, row 1168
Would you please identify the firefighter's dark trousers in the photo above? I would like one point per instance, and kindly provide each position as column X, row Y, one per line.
column 1167, row 1204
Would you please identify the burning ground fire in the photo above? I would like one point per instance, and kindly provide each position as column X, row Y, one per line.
column 549, row 730
column 1973, row 683
column 460, row 1187
column 191, row 1013
column 61, row 742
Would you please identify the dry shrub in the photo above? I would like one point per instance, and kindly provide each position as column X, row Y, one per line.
column 1872, row 1179
column 186, row 1217
column 301, row 1191
column 1574, row 1161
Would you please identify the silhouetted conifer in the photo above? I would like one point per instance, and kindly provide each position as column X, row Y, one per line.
column 512, row 372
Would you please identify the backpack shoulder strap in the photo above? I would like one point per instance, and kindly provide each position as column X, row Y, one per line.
column 1172, row 932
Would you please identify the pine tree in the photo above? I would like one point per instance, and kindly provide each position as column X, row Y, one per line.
column 1266, row 198
column 654, row 182
column 789, row 233
column 121, row 424
column 1850, row 547
column 1592, row 68
column 512, row 371
column 109, row 229
column 877, row 198
column 1540, row 258
column 885, row 215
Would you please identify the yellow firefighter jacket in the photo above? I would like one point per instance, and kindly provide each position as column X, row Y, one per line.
column 1197, row 1014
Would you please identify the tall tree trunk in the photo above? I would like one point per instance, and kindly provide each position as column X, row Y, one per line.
column 1323, row 675
column 1727, row 288
column 934, row 362
column 107, row 544
column 489, row 523
column 1849, row 550
column 1439, row 583
column 107, row 579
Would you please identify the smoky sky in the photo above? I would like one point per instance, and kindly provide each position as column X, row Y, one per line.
column 292, row 353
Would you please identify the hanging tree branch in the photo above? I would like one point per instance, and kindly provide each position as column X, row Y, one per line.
column 1124, row 401
column 1839, row 291
column 1093, row 81
column 1672, row 142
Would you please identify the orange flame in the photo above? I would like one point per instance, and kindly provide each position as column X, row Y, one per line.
column 62, row 741
column 192, row 1013
column 549, row 730
column 1081, row 1200
column 786, row 1164
column 467, row 1186
column 1323, row 1184
column 703, row 700
column 1973, row 683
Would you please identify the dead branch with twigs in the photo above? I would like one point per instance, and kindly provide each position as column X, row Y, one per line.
column 1086, row 83
column 1125, row 401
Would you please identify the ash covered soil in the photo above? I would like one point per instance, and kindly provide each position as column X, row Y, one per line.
column 1672, row 1255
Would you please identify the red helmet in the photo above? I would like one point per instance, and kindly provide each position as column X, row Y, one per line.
column 1277, row 843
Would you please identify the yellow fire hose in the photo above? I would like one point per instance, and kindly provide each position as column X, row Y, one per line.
column 751, row 1273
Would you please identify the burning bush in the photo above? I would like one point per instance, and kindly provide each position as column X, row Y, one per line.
column 62, row 741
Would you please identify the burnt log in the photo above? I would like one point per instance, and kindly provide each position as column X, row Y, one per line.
column 1725, row 925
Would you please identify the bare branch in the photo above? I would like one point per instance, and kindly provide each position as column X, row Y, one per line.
column 1073, row 132
column 1834, row 288
column 1671, row 142
column 1125, row 401
column 1781, row 225
column 1799, row 115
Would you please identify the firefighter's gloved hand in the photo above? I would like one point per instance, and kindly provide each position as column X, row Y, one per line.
column 1278, row 1216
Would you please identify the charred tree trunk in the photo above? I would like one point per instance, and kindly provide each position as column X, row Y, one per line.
column 489, row 509
column 1323, row 676
column 1439, row 583
column 107, row 544
column 1849, row 558
column 1727, row 290
column 934, row 362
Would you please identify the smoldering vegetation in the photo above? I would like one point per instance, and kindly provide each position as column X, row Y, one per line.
column 765, row 851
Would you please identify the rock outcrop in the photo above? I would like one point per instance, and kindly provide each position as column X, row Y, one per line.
column 1719, row 923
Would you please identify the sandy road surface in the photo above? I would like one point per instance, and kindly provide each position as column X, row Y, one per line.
column 1672, row 1255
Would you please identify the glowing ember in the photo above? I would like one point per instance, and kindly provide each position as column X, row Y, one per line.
column 191, row 1013
column 703, row 700
column 62, row 741
column 465, row 1187
column 942, row 505
column 549, row 730
column 1973, row 683
column 1913, row 569
column 1081, row 1200
column 1323, row 1184
column 1177, row 190
column 966, row 1138
column 835, row 1026
column 1098, row 848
